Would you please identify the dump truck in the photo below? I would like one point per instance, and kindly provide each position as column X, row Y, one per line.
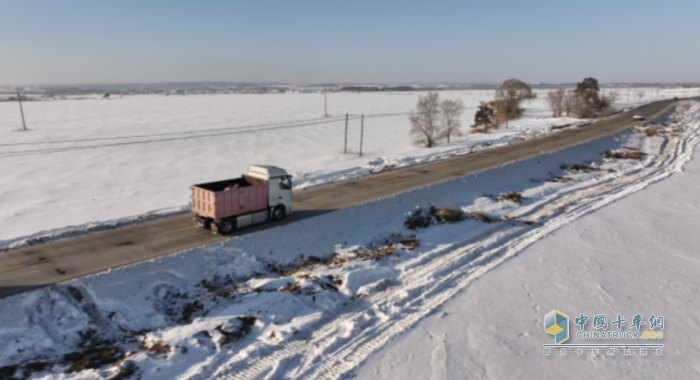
column 265, row 193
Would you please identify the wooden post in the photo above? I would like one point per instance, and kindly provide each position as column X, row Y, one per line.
column 362, row 132
column 345, row 150
column 19, row 99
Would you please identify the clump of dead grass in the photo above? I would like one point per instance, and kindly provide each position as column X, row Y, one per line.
column 479, row 216
column 304, row 265
column 418, row 220
column 93, row 358
column 225, row 293
column 410, row 243
column 189, row 309
column 293, row 288
column 159, row 348
column 239, row 332
column 560, row 179
column 335, row 279
column 439, row 215
column 635, row 155
column 337, row 261
column 511, row 197
column 447, row 214
column 126, row 371
column 651, row 131
column 379, row 254
column 578, row 167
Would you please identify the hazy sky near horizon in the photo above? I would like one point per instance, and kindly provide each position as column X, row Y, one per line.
column 85, row 41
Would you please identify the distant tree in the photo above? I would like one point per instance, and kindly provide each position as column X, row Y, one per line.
column 509, row 96
column 425, row 127
column 485, row 116
column 640, row 94
column 555, row 100
column 451, row 112
column 587, row 92
column 106, row 95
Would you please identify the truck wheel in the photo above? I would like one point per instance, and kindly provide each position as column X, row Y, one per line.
column 278, row 212
column 226, row 227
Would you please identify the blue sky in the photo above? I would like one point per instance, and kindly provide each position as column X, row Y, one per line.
column 71, row 41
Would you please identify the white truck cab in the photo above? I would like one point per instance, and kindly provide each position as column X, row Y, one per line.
column 279, row 194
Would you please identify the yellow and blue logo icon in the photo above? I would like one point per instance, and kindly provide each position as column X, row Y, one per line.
column 557, row 324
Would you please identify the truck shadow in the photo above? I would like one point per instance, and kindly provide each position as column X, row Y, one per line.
column 291, row 218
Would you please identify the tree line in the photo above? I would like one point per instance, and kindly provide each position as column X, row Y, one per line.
column 583, row 102
column 434, row 120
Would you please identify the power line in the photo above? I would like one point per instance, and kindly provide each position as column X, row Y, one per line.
column 222, row 132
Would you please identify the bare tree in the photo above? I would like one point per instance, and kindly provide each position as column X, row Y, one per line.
column 555, row 100
column 424, row 120
column 570, row 101
column 451, row 112
column 640, row 94
column 509, row 96
column 607, row 101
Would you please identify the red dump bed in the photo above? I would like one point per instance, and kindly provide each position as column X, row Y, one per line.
column 222, row 199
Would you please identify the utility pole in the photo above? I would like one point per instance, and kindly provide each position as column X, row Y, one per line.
column 325, row 103
column 19, row 99
column 345, row 150
column 362, row 132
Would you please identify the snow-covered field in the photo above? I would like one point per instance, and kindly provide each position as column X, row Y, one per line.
column 89, row 163
column 638, row 255
column 324, row 296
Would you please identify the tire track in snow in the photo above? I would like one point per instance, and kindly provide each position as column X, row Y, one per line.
column 422, row 292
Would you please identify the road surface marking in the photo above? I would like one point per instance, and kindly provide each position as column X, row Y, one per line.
column 312, row 199
column 178, row 230
column 386, row 182
column 25, row 265
column 445, row 168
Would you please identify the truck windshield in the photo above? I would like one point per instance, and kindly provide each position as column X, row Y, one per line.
column 286, row 183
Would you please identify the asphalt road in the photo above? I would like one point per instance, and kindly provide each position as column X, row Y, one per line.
column 33, row 267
